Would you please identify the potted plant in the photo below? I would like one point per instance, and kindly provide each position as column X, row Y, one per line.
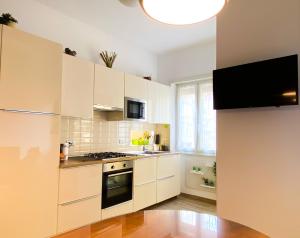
column 7, row 19
column 108, row 58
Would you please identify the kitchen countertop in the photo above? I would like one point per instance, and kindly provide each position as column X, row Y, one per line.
column 70, row 163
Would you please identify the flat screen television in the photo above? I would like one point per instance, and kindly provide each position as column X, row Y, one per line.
column 261, row 84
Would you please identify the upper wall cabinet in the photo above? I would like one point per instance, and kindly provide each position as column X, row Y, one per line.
column 136, row 87
column 31, row 71
column 109, row 87
column 159, row 103
column 77, row 87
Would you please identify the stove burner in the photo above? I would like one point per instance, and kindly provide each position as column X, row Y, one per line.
column 105, row 155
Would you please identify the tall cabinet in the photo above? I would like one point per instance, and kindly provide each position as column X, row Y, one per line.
column 31, row 68
column 30, row 81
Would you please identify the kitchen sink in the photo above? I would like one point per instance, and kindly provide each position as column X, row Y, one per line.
column 153, row 152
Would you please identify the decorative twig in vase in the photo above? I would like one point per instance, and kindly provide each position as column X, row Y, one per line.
column 108, row 58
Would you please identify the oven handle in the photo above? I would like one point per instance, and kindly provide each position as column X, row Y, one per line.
column 113, row 175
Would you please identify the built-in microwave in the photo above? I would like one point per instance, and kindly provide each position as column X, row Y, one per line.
column 135, row 109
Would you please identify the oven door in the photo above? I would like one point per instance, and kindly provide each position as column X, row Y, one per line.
column 116, row 187
column 135, row 109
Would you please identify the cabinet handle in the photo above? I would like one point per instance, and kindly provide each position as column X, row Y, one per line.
column 114, row 175
column 79, row 200
column 167, row 177
column 29, row 112
column 141, row 184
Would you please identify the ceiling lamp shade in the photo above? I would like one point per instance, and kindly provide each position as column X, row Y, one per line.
column 182, row 12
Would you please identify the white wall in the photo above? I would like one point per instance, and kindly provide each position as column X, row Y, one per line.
column 87, row 41
column 191, row 183
column 187, row 63
column 180, row 65
column 258, row 150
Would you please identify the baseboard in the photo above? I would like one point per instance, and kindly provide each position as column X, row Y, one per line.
column 207, row 200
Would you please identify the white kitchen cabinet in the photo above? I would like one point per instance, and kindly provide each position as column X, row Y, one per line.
column 144, row 195
column 159, row 103
column 136, row 87
column 117, row 210
column 79, row 182
column 109, row 87
column 1, row 28
column 80, row 213
column 153, row 102
column 165, row 104
column 144, row 183
column 77, row 87
column 168, row 177
column 166, row 188
column 144, row 170
column 167, row 165
column 28, row 174
column 31, row 71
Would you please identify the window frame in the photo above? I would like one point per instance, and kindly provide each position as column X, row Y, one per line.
column 196, row 83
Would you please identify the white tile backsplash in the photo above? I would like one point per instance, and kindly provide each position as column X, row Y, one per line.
column 98, row 134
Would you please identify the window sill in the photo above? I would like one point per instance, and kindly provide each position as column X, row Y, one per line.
column 197, row 154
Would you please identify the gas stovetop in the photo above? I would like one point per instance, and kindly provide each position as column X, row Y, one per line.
column 102, row 156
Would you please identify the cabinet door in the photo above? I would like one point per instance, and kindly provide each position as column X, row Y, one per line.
column 136, row 87
column 167, row 188
column 79, row 182
column 168, row 177
column 167, row 166
column 144, row 171
column 77, row 87
column 28, row 174
column 117, row 210
column 165, row 104
column 159, row 103
column 31, row 71
column 144, row 195
column 109, row 87
column 78, row 214
column 154, row 102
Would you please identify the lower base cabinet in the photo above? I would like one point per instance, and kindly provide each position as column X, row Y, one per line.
column 167, row 188
column 78, row 213
column 144, row 195
column 117, row 210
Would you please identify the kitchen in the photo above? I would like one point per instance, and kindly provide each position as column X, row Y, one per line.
column 108, row 127
column 90, row 182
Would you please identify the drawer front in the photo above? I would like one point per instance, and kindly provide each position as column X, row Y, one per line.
column 144, row 171
column 167, row 188
column 120, row 209
column 167, row 166
column 78, row 214
column 79, row 182
column 144, row 196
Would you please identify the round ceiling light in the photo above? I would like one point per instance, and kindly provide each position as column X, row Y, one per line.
column 182, row 12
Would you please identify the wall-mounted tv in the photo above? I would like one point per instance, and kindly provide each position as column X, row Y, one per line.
column 261, row 84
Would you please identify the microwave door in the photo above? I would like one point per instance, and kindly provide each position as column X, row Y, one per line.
column 141, row 111
column 133, row 110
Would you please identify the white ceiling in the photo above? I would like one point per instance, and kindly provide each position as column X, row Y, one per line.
column 132, row 25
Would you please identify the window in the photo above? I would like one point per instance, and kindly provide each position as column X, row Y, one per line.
column 196, row 119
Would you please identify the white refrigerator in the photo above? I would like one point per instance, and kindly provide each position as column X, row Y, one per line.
column 29, row 165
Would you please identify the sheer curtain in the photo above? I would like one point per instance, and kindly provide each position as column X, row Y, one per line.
column 196, row 119
column 186, row 117
column 206, row 119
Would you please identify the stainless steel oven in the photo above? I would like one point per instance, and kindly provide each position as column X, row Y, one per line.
column 135, row 109
column 117, row 183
